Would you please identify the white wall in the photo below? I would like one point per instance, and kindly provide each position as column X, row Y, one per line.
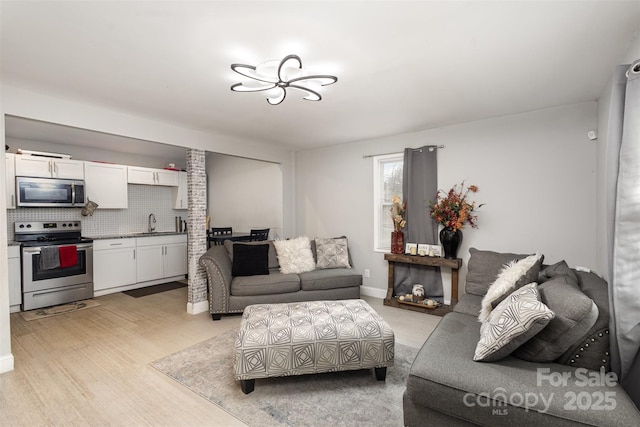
column 535, row 172
column 604, row 102
column 244, row 193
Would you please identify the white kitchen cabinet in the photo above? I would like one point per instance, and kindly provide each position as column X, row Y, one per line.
column 149, row 261
column 106, row 184
column 45, row 167
column 160, row 257
column 10, row 179
column 15, row 284
column 114, row 263
column 151, row 176
column 180, row 192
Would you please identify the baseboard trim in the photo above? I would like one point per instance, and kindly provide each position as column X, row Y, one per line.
column 198, row 307
column 373, row 292
column 6, row 363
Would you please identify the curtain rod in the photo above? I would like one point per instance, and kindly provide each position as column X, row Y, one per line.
column 430, row 147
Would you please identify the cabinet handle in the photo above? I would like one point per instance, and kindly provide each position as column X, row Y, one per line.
column 13, row 201
column 55, row 168
column 115, row 244
column 134, row 254
column 49, row 166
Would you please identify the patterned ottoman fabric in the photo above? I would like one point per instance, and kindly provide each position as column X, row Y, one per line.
column 311, row 337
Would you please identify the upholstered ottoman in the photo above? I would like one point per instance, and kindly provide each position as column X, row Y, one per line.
column 277, row 340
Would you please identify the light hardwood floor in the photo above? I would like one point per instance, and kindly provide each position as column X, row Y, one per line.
column 91, row 367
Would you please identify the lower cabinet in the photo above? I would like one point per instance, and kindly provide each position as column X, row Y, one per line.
column 114, row 263
column 124, row 264
column 15, row 284
column 162, row 256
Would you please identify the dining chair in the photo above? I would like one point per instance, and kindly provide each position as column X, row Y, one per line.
column 258, row 235
column 219, row 231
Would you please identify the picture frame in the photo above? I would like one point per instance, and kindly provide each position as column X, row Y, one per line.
column 423, row 249
column 411, row 248
column 435, row 250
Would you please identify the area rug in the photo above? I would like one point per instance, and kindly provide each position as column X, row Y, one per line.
column 41, row 313
column 155, row 289
column 350, row 398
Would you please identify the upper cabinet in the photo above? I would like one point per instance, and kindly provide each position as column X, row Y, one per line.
column 45, row 167
column 106, row 184
column 10, row 179
column 151, row 176
column 180, row 192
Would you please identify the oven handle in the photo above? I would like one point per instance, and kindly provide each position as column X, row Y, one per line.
column 36, row 249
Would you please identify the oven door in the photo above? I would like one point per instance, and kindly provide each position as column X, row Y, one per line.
column 35, row 278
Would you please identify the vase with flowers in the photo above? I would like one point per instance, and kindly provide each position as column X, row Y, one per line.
column 453, row 210
column 398, row 213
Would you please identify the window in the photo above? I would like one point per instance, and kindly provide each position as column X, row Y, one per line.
column 387, row 182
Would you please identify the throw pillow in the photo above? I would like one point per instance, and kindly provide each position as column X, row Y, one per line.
column 250, row 260
column 575, row 313
column 294, row 255
column 592, row 351
column 514, row 275
column 273, row 258
column 513, row 322
column 483, row 268
column 332, row 253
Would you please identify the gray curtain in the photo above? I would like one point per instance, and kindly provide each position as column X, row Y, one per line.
column 623, row 206
column 419, row 185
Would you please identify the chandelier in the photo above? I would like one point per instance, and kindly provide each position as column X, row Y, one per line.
column 278, row 76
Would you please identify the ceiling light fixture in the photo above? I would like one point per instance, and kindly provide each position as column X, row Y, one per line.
column 278, row 76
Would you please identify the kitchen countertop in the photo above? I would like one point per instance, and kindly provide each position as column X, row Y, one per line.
column 119, row 236
column 135, row 235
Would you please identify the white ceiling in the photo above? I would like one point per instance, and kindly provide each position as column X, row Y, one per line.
column 402, row 66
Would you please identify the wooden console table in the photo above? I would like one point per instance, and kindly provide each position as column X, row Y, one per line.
column 453, row 264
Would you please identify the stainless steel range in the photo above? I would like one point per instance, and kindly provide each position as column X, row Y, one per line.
column 57, row 263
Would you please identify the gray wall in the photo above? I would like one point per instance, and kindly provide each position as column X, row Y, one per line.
column 535, row 172
column 244, row 193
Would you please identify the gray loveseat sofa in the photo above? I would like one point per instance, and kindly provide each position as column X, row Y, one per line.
column 231, row 294
column 447, row 387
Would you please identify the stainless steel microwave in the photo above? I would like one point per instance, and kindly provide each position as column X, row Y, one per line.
column 49, row 192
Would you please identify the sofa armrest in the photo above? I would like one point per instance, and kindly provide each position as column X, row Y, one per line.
column 217, row 265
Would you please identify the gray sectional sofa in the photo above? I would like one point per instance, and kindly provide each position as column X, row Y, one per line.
column 447, row 387
column 231, row 294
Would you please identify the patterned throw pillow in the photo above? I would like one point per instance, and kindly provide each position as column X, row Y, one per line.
column 332, row 253
column 294, row 255
column 513, row 322
column 513, row 276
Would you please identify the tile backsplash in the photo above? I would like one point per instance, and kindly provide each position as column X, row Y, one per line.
column 143, row 200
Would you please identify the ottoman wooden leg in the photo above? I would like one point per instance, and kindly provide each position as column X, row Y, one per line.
column 216, row 316
column 247, row 386
column 381, row 373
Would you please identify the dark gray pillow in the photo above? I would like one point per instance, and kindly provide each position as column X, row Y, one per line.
column 558, row 269
column 575, row 313
column 484, row 267
column 591, row 351
column 273, row 257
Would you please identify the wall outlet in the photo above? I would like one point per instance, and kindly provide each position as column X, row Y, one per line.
column 367, row 273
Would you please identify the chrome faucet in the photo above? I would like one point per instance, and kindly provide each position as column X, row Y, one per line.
column 152, row 223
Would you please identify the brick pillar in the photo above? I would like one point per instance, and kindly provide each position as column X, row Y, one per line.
column 197, row 301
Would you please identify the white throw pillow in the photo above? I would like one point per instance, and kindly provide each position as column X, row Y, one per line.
column 294, row 255
column 513, row 322
column 505, row 283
